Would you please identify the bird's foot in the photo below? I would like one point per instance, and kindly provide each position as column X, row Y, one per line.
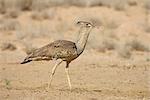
column 70, row 89
column 48, row 87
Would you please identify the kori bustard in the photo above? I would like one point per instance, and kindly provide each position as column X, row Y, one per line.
column 62, row 50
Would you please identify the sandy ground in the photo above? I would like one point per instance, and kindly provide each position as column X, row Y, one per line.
column 94, row 75
column 97, row 79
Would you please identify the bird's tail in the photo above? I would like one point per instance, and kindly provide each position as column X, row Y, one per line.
column 25, row 61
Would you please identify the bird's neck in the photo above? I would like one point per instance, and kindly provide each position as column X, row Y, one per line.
column 82, row 39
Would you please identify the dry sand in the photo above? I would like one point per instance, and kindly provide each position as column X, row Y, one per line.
column 94, row 75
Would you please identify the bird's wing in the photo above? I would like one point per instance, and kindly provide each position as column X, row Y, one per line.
column 63, row 49
column 57, row 49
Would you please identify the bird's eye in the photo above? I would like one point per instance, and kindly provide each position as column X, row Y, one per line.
column 56, row 46
column 88, row 25
column 78, row 22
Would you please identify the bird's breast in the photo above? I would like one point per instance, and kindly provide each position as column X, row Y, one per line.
column 66, row 55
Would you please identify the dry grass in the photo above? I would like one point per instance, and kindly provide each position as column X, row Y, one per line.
column 108, row 44
column 132, row 3
column 112, row 25
column 43, row 4
column 8, row 24
column 120, row 5
column 138, row 46
column 7, row 46
column 38, row 16
column 147, row 11
column 147, row 29
column 147, row 4
column 104, row 44
column 40, row 26
column 43, row 15
column 32, row 30
column 124, row 51
column 29, row 49
column 12, row 14
column 2, row 10
column 7, row 83
column 15, row 4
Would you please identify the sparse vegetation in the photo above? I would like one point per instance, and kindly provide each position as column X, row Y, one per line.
column 29, row 49
column 2, row 10
column 147, row 29
column 138, row 46
column 112, row 25
column 147, row 11
column 42, row 15
column 11, row 14
column 103, row 45
column 37, row 16
column 147, row 4
column 116, row 54
column 132, row 3
column 147, row 59
column 124, row 51
column 9, row 24
column 108, row 44
column 7, row 83
column 120, row 5
column 8, row 46
column 40, row 5
column 34, row 30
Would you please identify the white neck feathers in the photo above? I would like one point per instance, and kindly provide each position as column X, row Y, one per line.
column 82, row 39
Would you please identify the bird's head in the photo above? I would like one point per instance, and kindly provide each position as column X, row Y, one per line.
column 85, row 24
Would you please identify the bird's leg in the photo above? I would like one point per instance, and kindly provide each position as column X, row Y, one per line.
column 58, row 62
column 68, row 77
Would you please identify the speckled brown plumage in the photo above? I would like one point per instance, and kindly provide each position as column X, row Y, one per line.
column 62, row 50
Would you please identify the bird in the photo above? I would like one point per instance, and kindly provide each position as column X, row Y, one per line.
column 62, row 50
